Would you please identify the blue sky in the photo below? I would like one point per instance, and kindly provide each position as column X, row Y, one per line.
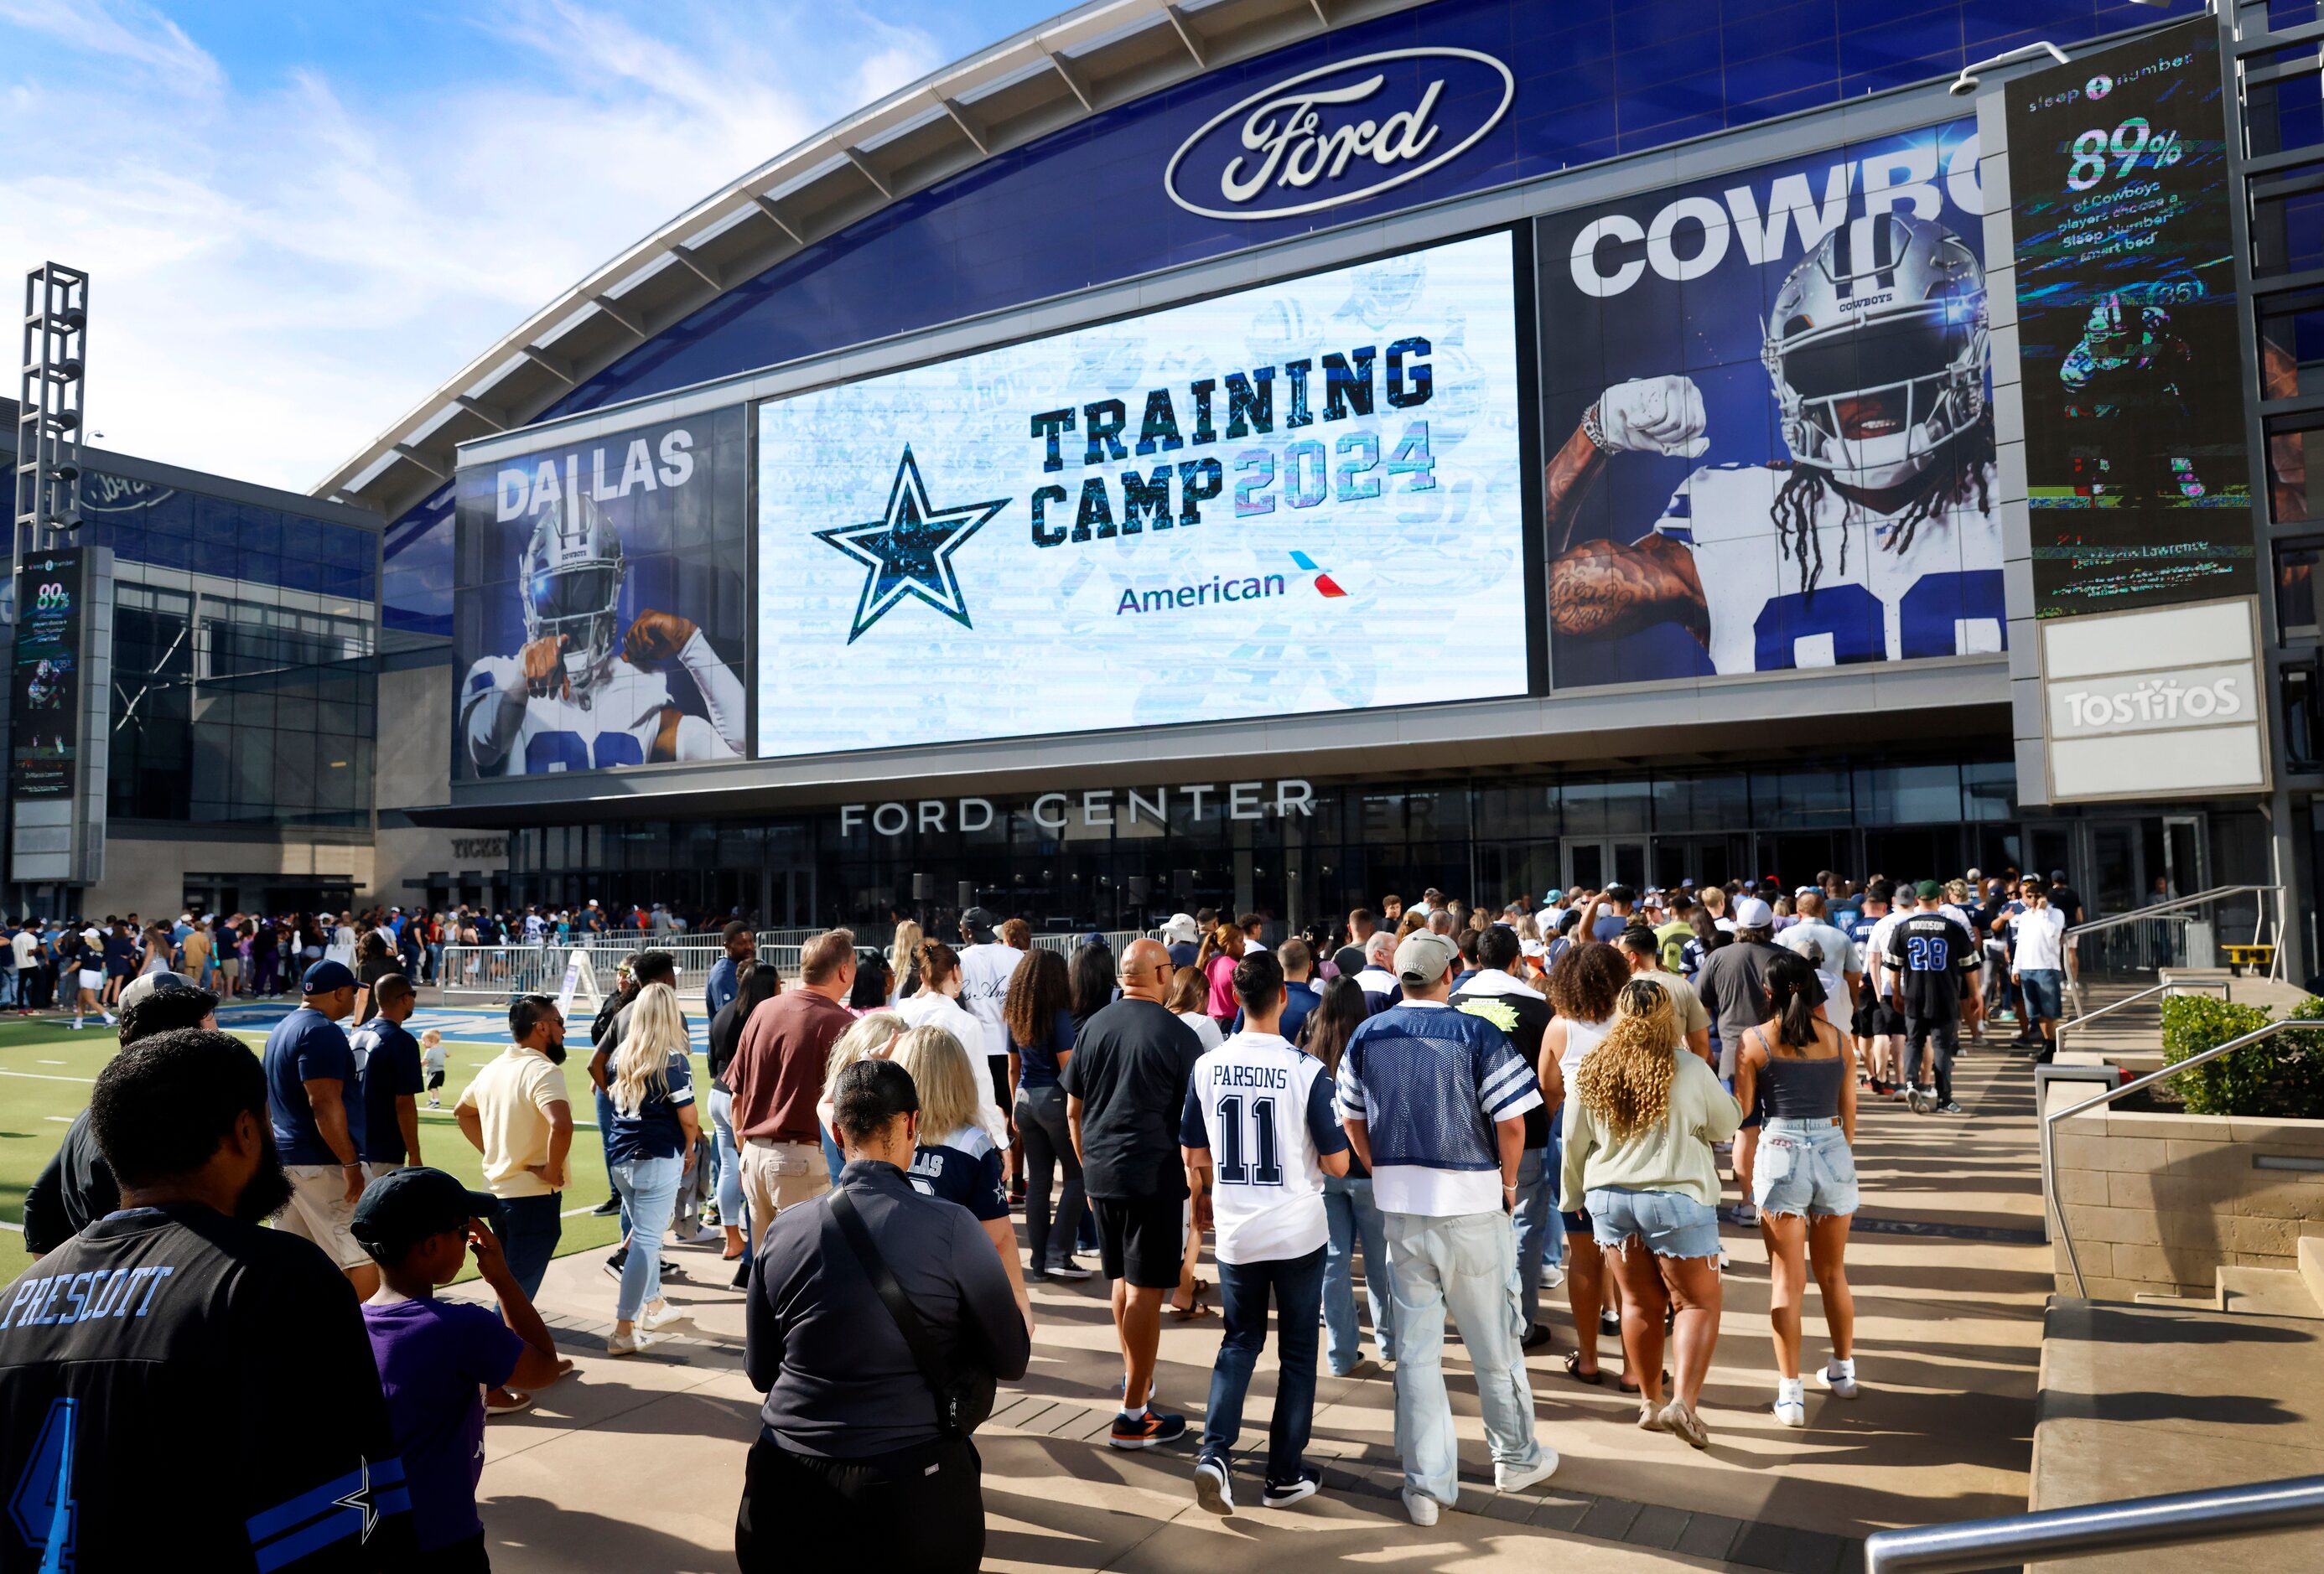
column 299, row 218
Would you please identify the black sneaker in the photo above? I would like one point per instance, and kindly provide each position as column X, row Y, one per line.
column 1143, row 1431
column 1034, row 1273
column 1213, row 1487
column 1610, row 1322
column 1283, row 1494
column 1536, row 1337
column 1950, row 1108
column 1068, row 1269
column 615, row 1263
column 607, row 1209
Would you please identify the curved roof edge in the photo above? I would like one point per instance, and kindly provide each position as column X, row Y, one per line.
column 1079, row 64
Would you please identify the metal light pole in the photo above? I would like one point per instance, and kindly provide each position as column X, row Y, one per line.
column 50, row 417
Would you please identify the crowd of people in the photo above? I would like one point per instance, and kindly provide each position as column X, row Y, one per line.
column 1479, row 1105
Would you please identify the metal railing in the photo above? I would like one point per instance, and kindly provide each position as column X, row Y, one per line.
column 513, row 968
column 2225, row 986
column 2214, row 1514
column 2174, row 914
column 2050, row 1118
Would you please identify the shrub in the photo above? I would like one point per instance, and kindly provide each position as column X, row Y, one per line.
column 2281, row 1077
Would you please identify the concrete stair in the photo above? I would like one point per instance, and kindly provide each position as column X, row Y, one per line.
column 2262, row 1292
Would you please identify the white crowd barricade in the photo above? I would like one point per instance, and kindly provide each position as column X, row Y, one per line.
column 495, row 973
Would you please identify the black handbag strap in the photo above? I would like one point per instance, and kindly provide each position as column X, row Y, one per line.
column 899, row 1307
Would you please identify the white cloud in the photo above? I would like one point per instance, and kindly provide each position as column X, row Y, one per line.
column 282, row 268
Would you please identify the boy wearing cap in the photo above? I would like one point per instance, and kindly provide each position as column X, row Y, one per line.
column 1435, row 1102
column 314, row 1099
column 437, row 1357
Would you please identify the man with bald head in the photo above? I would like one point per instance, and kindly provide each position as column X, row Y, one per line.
column 1125, row 1091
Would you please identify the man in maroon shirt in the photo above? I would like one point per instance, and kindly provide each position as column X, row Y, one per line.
column 777, row 1076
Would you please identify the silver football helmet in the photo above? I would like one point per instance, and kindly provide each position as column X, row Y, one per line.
column 571, row 578
column 1878, row 346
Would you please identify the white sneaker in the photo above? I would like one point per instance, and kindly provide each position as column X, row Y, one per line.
column 1791, row 1404
column 661, row 1315
column 1517, row 1477
column 1553, row 1277
column 1839, row 1379
column 1420, row 1506
column 627, row 1344
column 1213, row 1489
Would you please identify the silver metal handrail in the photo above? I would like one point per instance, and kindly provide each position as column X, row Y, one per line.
column 2212, row 1515
column 2199, row 899
column 2220, row 984
column 2050, row 1118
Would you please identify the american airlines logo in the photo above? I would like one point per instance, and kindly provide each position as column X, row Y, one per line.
column 1340, row 133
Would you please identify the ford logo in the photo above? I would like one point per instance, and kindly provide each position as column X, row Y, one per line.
column 1338, row 135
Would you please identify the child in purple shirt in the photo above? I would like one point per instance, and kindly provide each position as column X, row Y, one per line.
column 436, row 1358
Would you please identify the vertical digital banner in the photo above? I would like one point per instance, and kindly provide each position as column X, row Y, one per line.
column 600, row 608
column 45, row 702
column 2138, row 484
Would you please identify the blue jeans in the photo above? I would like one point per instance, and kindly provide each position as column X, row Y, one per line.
column 833, row 1159
column 605, row 1149
column 1464, row 1265
column 529, row 1231
column 1536, row 1209
column 649, row 1189
column 1349, row 1212
column 730, row 1161
column 7, row 987
column 1296, row 1284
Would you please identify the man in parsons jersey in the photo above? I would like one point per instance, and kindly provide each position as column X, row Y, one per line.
column 178, row 1387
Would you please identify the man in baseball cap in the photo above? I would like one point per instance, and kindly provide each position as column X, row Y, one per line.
column 1435, row 1100
column 314, row 1097
column 977, row 926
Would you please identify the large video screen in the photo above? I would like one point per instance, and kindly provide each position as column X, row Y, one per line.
column 600, row 618
column 1769, row 442
column 2139, row 485
column 1303, row 497
column 44, row 717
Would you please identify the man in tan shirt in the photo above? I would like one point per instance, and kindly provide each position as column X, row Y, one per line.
column 518, row 1115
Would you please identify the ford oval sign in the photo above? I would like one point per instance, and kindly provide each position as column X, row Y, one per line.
column 1340, row 133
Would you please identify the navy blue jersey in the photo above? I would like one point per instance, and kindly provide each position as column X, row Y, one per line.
column 308, row 1047
column 963, row 1168
column 387, row 1063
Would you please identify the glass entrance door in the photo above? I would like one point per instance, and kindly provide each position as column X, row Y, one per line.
column 1596, row 864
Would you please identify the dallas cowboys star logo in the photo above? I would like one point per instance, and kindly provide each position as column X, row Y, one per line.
column 908, row 551
column 364, row 1500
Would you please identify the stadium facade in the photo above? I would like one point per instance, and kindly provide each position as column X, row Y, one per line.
column 1269, row 452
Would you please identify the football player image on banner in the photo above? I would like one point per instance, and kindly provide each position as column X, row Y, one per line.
column 1230, row 508
column 1769, row 431
column 598, row 619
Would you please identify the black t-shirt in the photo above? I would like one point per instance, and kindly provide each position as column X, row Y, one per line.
column 726, row 1037
column 2069, row 901
column 76, row 1189
column 195, row 1391
column 387, row 1060
column 1130, row 1067
column 1931, row 954
column 1524, row 1017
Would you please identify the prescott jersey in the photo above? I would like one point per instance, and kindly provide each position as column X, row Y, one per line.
column 179, row 1390
column 1930, row 955
column 1263, row 1109
column 1941, row 595
column 616, row 721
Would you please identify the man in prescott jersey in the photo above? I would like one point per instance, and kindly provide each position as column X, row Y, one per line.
column 1258, row 1135
column 580, row 695
column 1878, row 540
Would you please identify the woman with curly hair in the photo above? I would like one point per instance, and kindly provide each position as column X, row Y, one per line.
column 1583, row 985
column 1639, row 1128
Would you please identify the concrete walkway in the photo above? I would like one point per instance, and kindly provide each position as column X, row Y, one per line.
column 638, row 1463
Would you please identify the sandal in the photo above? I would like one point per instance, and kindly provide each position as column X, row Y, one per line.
column 1628, row 1386
column 1574, row 1370
column 1194, row 1314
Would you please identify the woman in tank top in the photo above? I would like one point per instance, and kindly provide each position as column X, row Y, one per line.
column 1583, row 985
column 1803, row 1071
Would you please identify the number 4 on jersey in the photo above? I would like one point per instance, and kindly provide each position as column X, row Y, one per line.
column 41, row 1506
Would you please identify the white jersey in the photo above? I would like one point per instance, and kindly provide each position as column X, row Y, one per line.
column 985, row 974
column 1263, row 1107
column 617, row 720
column 1940, row 595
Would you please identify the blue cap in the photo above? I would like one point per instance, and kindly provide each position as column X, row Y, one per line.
column 325, row 976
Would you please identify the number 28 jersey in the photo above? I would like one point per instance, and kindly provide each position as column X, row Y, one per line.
column 1263, row 1107
column 1929, row 955
column 1939, row 593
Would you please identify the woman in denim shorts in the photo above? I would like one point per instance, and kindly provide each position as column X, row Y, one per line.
column 1804, row 1071
column 1640, row 1119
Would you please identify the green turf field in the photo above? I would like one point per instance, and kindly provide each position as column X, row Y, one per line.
column 46, row 1071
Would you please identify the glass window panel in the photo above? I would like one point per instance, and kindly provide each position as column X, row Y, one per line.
column 1989, row 790
column 1604, row 808
column 2295, row 591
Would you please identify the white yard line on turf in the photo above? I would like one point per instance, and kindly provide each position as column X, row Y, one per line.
column 47, row 1077
column 17, row 1228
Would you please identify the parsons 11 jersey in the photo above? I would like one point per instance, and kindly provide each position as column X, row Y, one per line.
column 1940, row 595
column 618, row 719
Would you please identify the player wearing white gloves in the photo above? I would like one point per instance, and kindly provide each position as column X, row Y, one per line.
column 566, row 701
column 1877, row 541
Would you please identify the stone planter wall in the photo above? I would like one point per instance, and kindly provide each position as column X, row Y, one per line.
column 2158, row 1204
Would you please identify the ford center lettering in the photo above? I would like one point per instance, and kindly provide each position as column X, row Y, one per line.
column 1314, row 142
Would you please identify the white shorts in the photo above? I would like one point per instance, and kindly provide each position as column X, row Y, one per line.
column 91, row 979
column 320, row 1211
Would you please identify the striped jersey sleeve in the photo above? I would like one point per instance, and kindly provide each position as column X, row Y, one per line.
column 1506, row 1086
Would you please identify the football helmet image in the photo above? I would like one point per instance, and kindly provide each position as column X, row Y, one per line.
column 570, row 579
column 1878, row 345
